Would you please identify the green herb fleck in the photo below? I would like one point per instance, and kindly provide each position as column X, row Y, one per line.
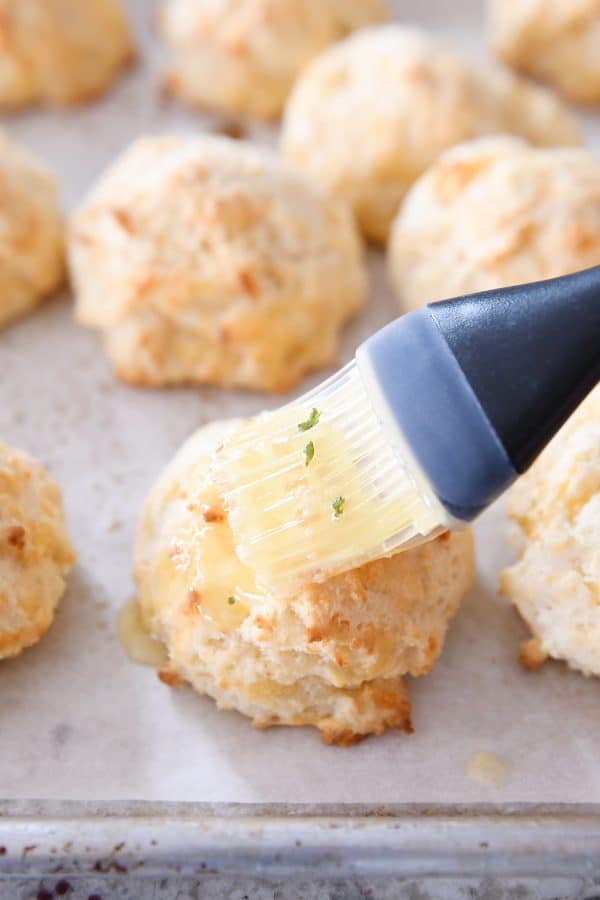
column 309, row 452
column 312, row 420
column 338, row 506
column 231, row 600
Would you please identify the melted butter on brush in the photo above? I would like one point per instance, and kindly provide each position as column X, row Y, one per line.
column 315, row 488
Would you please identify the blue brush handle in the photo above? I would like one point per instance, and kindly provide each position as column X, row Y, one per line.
column 480, row 384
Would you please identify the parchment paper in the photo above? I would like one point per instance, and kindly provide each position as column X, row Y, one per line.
column 78, row 720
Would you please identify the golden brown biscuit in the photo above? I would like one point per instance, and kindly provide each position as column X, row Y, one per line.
column 60, row 51
column 32, row 252
column 208, row 260
column 242, row 56
column 557, row 41
column 495, row 212
column 332, row 656
column 368, row 116
column 555, row 585
column 35, row 551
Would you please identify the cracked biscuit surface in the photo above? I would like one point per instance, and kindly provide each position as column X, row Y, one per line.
column 31, row 232
column 242, row 56
column 332, row 656
column 207, row 260
column 35, row 551
column 492, row 213
column 60, row 51
column 370, row 114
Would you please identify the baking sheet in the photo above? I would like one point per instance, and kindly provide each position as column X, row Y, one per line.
column 79, row 721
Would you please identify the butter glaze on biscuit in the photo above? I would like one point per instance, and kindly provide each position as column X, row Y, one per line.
column 332, row 656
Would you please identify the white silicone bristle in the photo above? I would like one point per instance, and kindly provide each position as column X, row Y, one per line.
column 316, row 488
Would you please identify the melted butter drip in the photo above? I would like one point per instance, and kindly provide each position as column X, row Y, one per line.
column 135, row 639
column 201, row 568
column 487, row 768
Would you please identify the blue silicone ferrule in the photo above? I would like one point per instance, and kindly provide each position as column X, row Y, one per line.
column 437, row 413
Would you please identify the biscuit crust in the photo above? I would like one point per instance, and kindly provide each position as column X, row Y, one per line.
column 207, row 260
column 495, row 212
column 242, row 56
column 370, row 114
column 557, row 42
column 35, row 551
column 555, row 584
column 60, row 52
column 32, row 255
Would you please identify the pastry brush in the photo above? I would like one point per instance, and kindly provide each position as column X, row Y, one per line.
column 436, row 416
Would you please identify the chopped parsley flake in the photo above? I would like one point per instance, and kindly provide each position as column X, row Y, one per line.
column 309, row 452
column 338, row 506
column 312, row 420
column 231, row 600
